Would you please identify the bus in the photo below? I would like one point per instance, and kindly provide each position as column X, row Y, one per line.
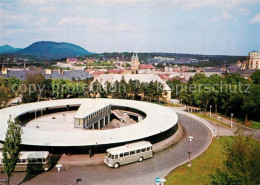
column 31, row 161
column 129, row 153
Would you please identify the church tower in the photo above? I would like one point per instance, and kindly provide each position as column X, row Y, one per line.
column 135, row 63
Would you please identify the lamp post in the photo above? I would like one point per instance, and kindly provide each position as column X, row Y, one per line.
column 58, row 166
column 210, row 110
column 190, row 138
column 231, row 120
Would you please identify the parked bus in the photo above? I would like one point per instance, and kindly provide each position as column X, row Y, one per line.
column 31, row 161
column 128, row 153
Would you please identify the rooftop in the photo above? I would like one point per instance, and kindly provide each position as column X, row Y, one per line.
column 146, row 66
column 129, row 147
column 141, row 77
column 25, row 155
column 158, row 119
column 87, row 109
column 55, row 74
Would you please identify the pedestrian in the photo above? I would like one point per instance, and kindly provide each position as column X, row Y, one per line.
column 90, row 153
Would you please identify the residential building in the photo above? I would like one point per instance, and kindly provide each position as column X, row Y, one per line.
column 146, row 68
column 72, row 60
column 47, row 73
column 146, row 78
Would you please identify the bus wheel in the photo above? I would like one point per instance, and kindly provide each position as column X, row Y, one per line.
column 116, row 165
column 140, row 159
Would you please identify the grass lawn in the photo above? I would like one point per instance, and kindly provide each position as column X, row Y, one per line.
column 210, row 119
column 255, row 125
column 202, row 166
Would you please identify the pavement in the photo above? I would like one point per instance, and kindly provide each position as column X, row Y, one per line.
column 139, row 173
column 228, row 131
column 85, row 159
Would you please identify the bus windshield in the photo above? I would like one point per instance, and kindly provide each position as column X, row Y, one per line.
column 108, row 155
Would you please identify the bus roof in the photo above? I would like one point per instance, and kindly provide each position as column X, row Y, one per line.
column 32, row 154
column 129, row 147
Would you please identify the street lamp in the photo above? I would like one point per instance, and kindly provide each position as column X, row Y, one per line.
column 232, row 120
column 190, row 138
column 210, row 110
column 58, row 166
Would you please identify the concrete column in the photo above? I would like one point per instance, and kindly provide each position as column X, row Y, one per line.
column 104, row 121
column 139, row 118
column 92, row 127
column 108, row 120
column 99, row 124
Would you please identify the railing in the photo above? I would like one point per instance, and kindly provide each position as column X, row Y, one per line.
column 122, row 116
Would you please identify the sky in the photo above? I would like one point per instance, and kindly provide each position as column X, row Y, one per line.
column 216, row 27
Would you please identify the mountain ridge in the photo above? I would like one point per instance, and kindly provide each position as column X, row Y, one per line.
column 5, row 49
column 50, row 50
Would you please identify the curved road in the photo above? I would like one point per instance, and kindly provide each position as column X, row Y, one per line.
column 134, row 174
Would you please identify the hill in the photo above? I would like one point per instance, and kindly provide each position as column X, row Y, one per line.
column 5, row 49
column 53, row 50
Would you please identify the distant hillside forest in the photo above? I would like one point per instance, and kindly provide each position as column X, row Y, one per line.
column 213, row 60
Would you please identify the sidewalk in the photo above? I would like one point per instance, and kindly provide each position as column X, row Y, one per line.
column 84, row 159
column 222, row 130
column 228, row 122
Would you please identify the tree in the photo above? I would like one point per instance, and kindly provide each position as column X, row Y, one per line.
column 203, row 94
column 250, row 101
column 5, row 95
column 176, row 87
column 96, row 88
column 59, row 88
column 11, row 147
column 47, row 91
column 256, row 77
column 242, row 163
column 34, row 84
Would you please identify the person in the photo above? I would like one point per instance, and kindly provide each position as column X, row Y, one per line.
column 90, row 153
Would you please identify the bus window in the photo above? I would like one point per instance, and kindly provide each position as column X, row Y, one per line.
column 32, row 160
column 112, row 156
column 116, row 156
column 23, row 160
column 132, row 152
column 121, row 155
column 39, row 160
column 19, row 161
column 138, row 151
column 126, row 154
column 148, row 148
column 144, row 149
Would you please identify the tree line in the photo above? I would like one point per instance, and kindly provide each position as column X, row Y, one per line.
column 37, row 88
column 226, row 94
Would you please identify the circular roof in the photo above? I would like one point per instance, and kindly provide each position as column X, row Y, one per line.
column 158, row 119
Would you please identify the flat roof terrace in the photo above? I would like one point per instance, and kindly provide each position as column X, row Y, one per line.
column 86, row 109
column 158, row 119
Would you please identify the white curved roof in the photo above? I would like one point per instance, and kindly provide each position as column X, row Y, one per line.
column 158, row 119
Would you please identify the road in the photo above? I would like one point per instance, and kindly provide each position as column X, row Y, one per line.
column 142, row 173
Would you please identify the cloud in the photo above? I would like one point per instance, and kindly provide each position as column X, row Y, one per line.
column 255, row 19
column 222, row 17
column 99, row 25
column 245, row 11
column 78, row 21
column 216, row 4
